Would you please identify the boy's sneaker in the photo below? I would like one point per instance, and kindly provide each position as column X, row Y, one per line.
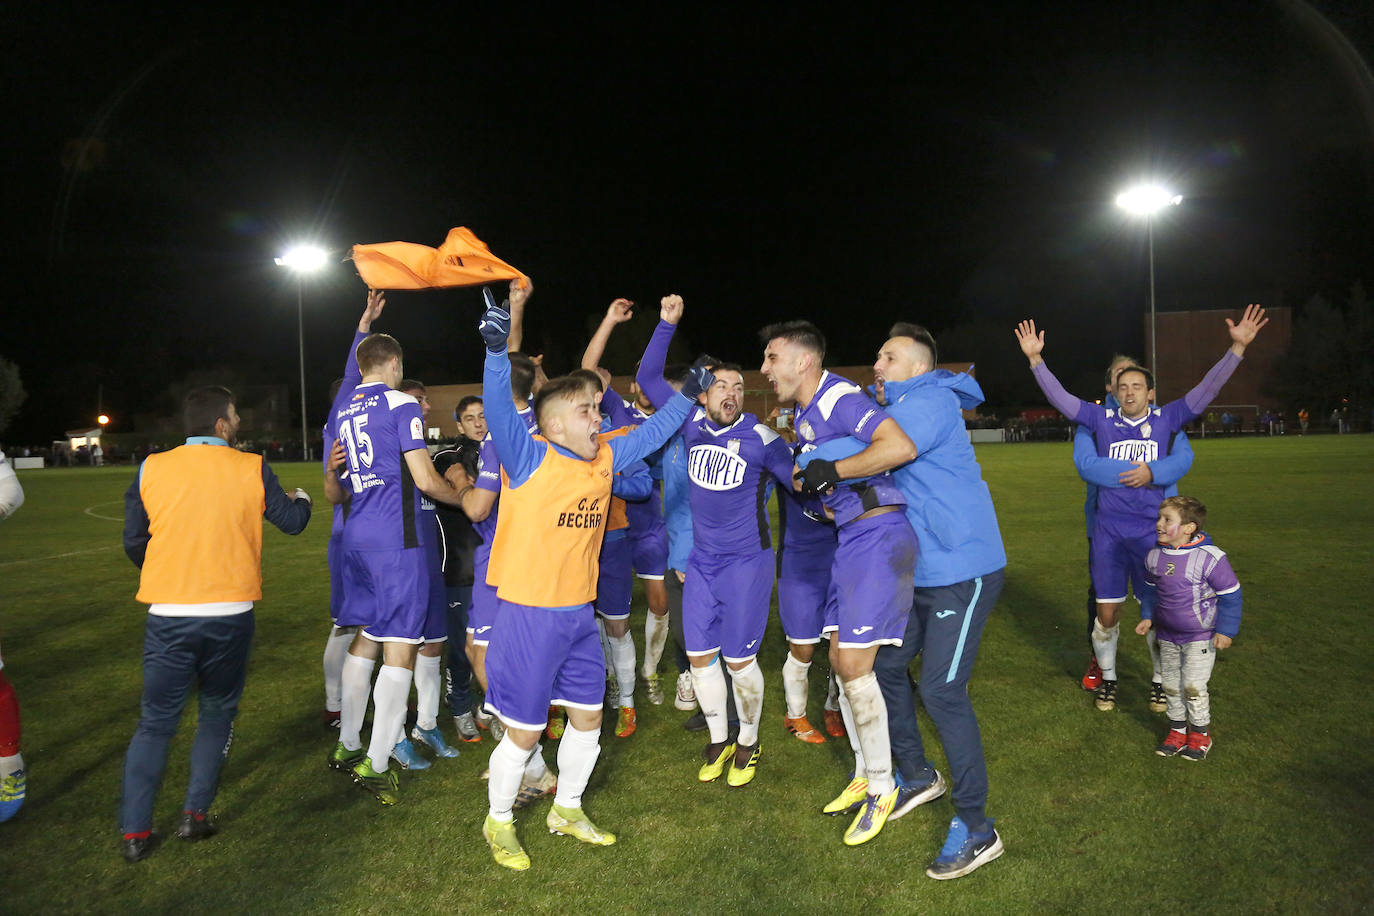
column 909, row 798
column 330, row 717
column 964, row 851
column 1105, row 695
column 405, row 754
column 686, row 699
column 434, row 740
column 1092, row 678
column 467, row 727
column 1173, row 743
column 1199, row 743
column 1158, row 702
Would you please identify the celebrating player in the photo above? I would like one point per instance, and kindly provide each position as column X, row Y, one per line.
column 555, row 493
column 1136, row 432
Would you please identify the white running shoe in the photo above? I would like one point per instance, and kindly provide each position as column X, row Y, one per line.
column 686, row 698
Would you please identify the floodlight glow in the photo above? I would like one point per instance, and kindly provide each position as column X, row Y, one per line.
column 102, row 419
column 303, row 259
column 1147, row 199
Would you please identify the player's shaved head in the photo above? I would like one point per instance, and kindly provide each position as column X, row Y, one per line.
column 569, row 415
column 802, row 333
column 923, row 340
column 376, row 351
column 589, row 378
column 203, row 407
column 557, row 392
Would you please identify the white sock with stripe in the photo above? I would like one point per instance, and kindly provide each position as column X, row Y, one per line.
column 355, row 679
column 623, row 658
column 794, row 687
column 389, row 713
column 577, row 753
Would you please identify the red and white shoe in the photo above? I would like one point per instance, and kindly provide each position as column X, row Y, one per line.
column 1198, row 746
column 1092, row 678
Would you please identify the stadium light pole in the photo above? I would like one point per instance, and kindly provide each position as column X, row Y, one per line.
column 1147, row 200
column 302, row 260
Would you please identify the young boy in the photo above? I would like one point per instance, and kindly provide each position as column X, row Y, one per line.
column 1192, row 600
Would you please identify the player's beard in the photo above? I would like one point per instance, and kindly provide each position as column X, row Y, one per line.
column 720, row 419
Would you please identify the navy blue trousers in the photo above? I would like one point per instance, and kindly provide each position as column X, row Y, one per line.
column 459, row 668
column 178, row 652
column 945, row 628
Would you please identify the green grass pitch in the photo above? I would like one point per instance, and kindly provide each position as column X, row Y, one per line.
column 1278, row 819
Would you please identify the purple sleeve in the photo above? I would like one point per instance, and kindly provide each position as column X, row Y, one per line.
column 1221, row 577
column 859, row 415
column 1196, row 401
column 777, row 457
column 1070, row 406
column 410, row 427
column 650, row 375
column 613, row 406
column 489, row 477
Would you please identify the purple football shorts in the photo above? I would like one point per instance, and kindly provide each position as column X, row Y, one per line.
column 540, row 657
column 871, row 582
column 725, row 603
column 387, row 593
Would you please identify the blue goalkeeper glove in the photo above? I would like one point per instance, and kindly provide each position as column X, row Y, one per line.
column 699, row 378
column 495, row 324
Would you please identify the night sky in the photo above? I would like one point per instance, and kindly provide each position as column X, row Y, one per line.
column 953, row 168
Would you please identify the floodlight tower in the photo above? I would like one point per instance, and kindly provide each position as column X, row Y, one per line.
column 302, row 260
column 1146, row 200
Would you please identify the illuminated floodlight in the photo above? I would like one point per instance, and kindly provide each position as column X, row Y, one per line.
column 102, row 419
column 303, row 259
column 1147, row 199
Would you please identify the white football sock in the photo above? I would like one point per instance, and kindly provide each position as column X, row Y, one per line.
column 1104, row 647
column 535, row 768
column 427, row 678
column 503, row 784
column 852, row 733
column 577, row 753
column 709, row 683
column 794, row 687
column 655, row 637
column 623, row 658
column 388, row 713
column 1152, row 640
column 832, row 691
column 11, row 764
column 747, row 683
column 354, row 680
column 869, row 711
column 335, row 649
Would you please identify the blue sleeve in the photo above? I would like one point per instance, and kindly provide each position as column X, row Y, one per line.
column 1170, row 469
column 136, row 533
column 290, row 515
column 520, row 454
column 352, row 374
column 1228, row 614
column 834, row 450
column 613, row 406
column 645, row 439
column 634, row 483
column 650, row 374
column 1148, row 598
column 1096, row 470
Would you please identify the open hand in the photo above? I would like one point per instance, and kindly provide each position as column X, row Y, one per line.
column 1032, row 344
column 376, row 301
column 1244, row 332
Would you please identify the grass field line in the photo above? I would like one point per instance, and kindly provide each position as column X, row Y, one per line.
column 57, row 556
column 109, row 518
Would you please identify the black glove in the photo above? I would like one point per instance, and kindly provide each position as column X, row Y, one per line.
column 495, row 324
column 699, row 378
column 819, row 477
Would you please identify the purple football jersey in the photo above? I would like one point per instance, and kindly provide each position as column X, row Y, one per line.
column 840, row 408
column 729, row 469
column 377, row 426
column 1187, row 581
column 1145, row 439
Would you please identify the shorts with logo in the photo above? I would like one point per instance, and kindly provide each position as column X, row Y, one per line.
column 804, row 591
column 615, row 578
column 482, row 610
column 725, row 602
column 387, row 593
column 540, row 657
column 1117, row 557
column 649, row 551
column 871, row 581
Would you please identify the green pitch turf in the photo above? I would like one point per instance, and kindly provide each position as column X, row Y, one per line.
column 1276, row 820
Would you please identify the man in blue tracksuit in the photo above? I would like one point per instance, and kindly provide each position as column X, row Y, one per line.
column 959, row 574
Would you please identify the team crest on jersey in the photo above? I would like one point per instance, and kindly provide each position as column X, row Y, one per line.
column 417, row 429
column 715, row 468
column 1145, row 431
column 733, row 445
column 804, row 427
column 1169, row 569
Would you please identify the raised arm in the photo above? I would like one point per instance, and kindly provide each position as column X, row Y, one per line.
column 613, row 406
column 643, row 440
column 650, row 375
column 352, row 375
column 517, row 450
column 520, row 292
column 1033, row 345
column 618, row 312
